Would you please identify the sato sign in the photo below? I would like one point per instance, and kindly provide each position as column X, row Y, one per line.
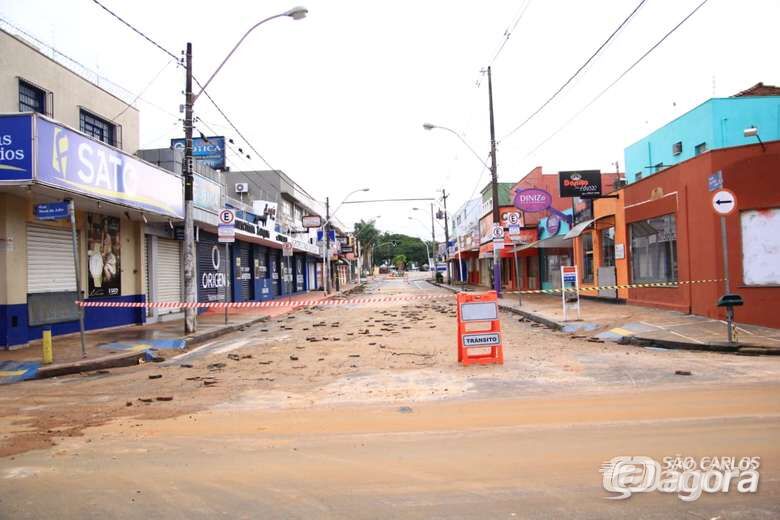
column 52, row 211
column 76, row 163
column 16, row 148
column 581, row 183
column 210, row 151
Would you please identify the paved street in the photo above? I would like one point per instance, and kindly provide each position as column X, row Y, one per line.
column 363, row 412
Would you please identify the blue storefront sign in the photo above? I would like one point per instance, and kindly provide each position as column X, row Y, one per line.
column 73, row 162
column 321, row 235
column 209, row 151
column 16, row 148
column 52, row 211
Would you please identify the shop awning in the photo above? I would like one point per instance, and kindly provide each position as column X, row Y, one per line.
column 579, row 228
column 548, row 243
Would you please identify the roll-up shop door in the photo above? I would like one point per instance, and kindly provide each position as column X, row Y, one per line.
column 211, row 269
column 274, row 268
column 244, row 272
column 168, row 272
column 49, row 260
column 147, row 285
column 312, row 278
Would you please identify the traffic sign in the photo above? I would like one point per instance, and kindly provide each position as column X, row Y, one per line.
column 226, row 233
column 227, row 217
column 498, row 231
column 715, row 181
column 724, row 202
column 569, row 273
column 514, row 232
column 287, row 249
column 486, row 339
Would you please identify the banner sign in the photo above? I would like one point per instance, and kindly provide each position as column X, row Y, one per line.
column 553, row 224
column 311, row 221
column 76, row 163
column 206, row 194
column 104, row 253
column 210, row 151
column 16, row 148
column 533, row 200
column 266, row 214
column 582, row 183
column 52, row 211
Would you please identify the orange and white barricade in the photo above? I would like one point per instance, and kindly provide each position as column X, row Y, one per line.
column 479, row 329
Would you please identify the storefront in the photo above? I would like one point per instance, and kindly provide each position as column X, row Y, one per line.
column 212, row 282
column 163, row 281
column 115, row 196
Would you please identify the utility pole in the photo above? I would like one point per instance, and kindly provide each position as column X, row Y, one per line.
column 494, row 182
column 190, row 314
column 326, row 256
column 446, row 235
column 433, row 245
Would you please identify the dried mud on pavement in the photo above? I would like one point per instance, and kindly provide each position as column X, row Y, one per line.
column 397, row 354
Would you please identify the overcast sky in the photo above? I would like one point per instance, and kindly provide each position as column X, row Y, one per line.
column 337, row 100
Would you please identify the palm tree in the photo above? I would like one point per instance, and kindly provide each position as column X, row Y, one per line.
column 367, row 235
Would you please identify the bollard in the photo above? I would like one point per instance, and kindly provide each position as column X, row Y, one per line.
column 48, row 353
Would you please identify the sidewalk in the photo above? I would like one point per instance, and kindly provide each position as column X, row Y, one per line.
column 124, row 346
column 646, row 326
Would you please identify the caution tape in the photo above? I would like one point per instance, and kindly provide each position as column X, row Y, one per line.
column 612, row 287
column 265, row 304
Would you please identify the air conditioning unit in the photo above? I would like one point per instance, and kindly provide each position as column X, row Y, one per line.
column 242, row 187
column 677, row 148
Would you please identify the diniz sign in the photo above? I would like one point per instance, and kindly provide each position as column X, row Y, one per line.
column 582, row 183
column 533, row 200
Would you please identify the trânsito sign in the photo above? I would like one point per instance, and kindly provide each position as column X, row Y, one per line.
column 581, row 183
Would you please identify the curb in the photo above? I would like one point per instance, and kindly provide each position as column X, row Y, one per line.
column 745, row 349
column 551, row 324
column 126, row 359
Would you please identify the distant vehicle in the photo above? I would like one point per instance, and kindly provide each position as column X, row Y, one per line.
column 383, row 269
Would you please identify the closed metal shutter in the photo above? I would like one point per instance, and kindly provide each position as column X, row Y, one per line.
column 211, row 269
column 147, row 285
column 244, row 272
column 49, row 260
column 168, row 271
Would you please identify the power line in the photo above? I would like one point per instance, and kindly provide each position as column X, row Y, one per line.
column 128, row 105
column 508, row 32
column 576, row 73
column 625, row 72
column 172, row 55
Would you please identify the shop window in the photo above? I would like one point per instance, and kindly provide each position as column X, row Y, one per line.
column 587, row 257
column 608, row 247
column 760, row 247
column 654, row 250
column 31, row 98
column 97, row 127
column 700, row 148
column 286, row 208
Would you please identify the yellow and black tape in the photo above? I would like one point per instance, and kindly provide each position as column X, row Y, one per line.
column 613, row 287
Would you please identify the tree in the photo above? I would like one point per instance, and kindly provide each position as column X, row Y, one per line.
column 367, row 235
column 400, row 262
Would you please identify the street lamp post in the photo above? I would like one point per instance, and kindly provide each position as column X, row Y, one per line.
column 326, row 232
column 493, row 176
column 190, row 313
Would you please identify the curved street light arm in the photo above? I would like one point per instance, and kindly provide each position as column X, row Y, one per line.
column 255, row 26
column 428, row 126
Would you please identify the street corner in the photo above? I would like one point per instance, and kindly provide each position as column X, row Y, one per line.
column 14, row 371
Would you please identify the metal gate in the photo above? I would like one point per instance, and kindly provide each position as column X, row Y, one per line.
column 168, row 272
column 243, row 271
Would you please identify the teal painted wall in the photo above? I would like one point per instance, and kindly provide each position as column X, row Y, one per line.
column 718, row 122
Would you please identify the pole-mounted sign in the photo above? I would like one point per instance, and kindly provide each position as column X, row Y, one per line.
column 724, row 202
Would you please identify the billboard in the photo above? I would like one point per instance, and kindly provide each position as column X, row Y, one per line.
column 16, row 148
column 73, row 162
column 210, row 151
column 582, row 183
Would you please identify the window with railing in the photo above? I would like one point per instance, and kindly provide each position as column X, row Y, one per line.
column 31, row 98
column 97, row 127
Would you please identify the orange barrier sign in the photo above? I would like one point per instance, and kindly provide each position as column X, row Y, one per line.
column 479, row 328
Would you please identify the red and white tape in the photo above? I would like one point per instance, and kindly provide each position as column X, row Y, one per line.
column 266, row 304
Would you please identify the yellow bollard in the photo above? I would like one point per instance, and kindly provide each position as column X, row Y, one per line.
column 48, row 353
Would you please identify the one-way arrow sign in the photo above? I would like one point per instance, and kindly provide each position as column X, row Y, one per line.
column 724, row 202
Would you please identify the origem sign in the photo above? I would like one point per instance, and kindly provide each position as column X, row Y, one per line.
column 76, row 163
column 210, row 151
column 16, row 148
column 583, row 183
column 533, row 200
